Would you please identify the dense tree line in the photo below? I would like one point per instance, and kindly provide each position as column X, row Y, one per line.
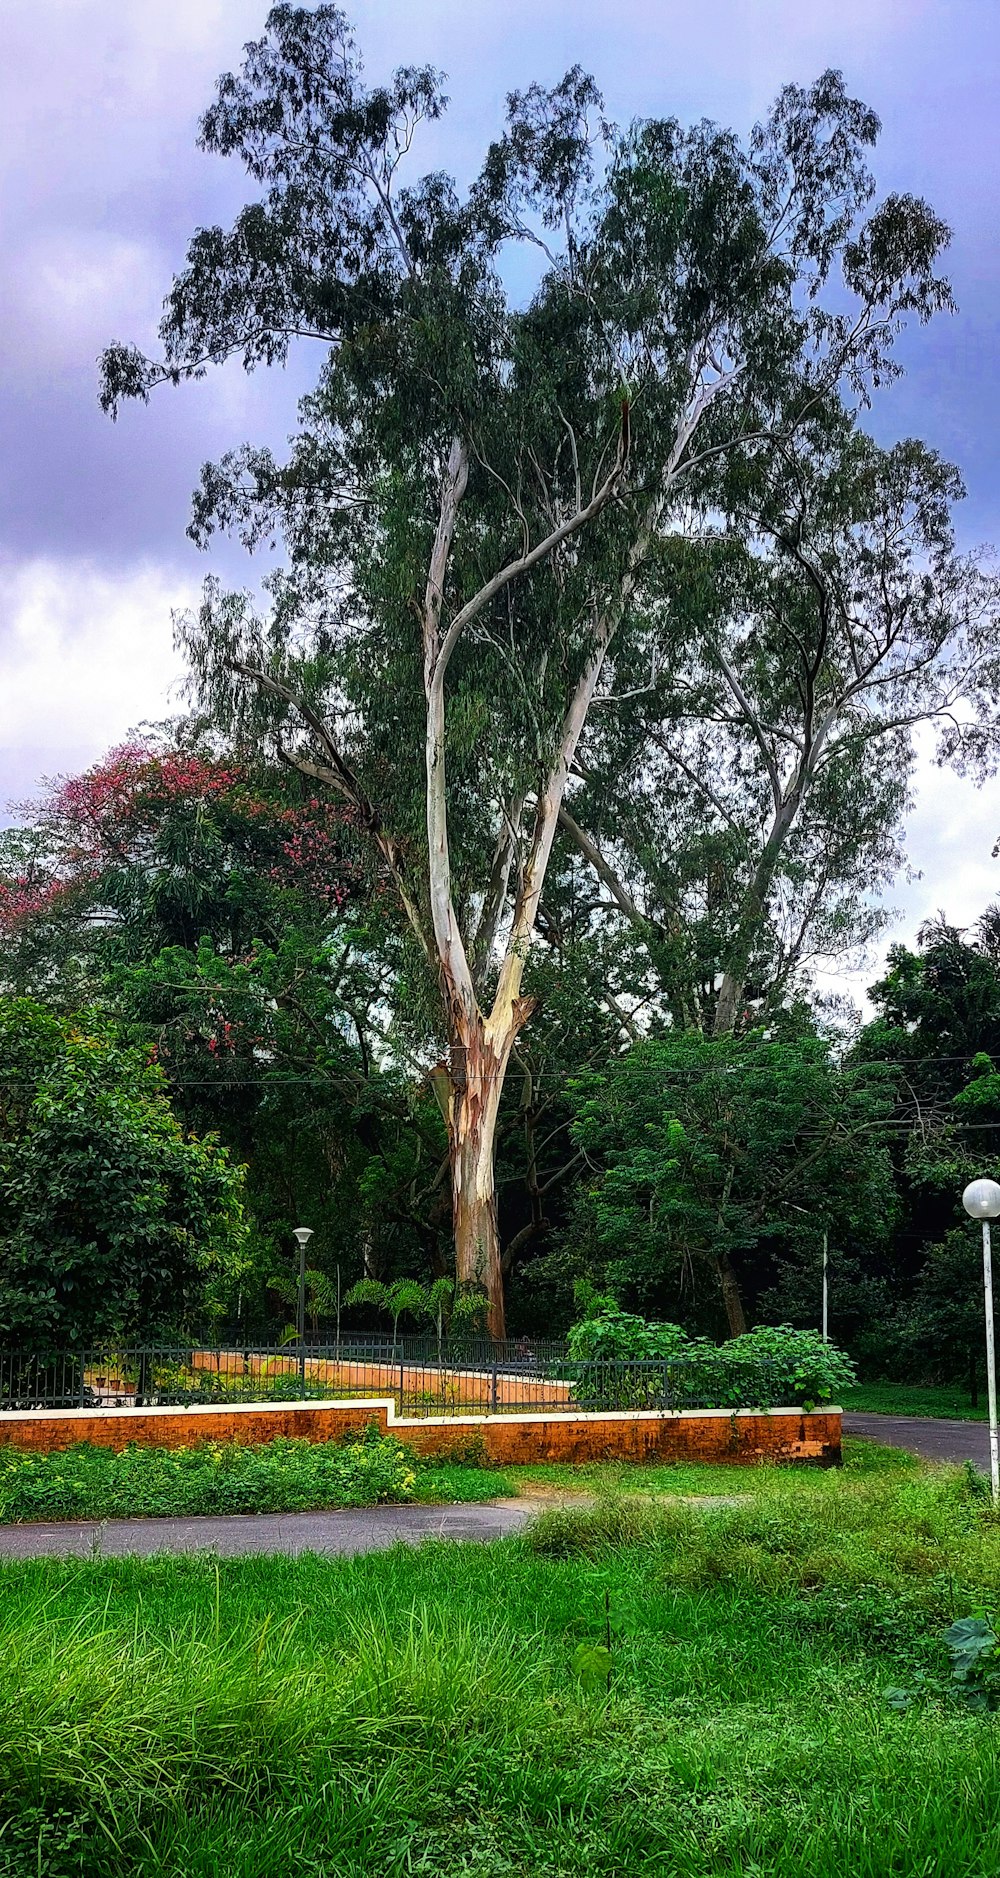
column 474, row 911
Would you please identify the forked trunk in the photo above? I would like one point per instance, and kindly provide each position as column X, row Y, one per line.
column 751, row 918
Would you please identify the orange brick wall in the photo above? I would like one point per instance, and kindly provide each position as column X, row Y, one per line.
column 523, row 1441
column 514, row 1440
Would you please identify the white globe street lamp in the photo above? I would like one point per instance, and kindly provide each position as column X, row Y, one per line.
column 981, row 1200
column 303, row 1234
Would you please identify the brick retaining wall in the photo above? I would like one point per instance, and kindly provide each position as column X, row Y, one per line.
column 781, row 1434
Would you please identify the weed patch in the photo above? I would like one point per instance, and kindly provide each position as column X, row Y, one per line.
column 283, row 1476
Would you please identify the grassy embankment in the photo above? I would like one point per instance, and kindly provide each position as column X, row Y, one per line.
column 422, row 1712
column 949, row 1401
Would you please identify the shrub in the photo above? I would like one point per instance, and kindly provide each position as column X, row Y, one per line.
column 625, row 1362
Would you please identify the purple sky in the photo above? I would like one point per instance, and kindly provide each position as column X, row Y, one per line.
column 100, row 185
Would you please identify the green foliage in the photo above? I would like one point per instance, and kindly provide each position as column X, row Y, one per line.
column 592, row 1664
column 971, row 1642
column 442, row 1303
column 220, row 912
column 767, row 1367
column 406, row 1297
column 320, row 1297
column 746, row 1724
column 712, row 313
column 590, row 1302
column 886, row 1524
column 941, row 1402
column 486, row 513
column 938, row 1008
column 605, row 1335
column 937, row 1033
column 709, row 1155
column 940, row 1329
column 285, row 1476
column 112, row 1220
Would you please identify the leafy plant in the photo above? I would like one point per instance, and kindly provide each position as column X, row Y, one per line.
column 971, row 1643
column 113, row 1220
column 698, row 1170
column 406, row 1296
column 321, row 1295
column 592, row 1663
column 625, row 1362
column 285, row 1475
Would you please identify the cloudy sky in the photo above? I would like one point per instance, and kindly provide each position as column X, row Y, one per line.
column 101, row 184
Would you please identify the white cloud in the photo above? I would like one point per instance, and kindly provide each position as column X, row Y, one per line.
column 66, row 292
column 84, row 656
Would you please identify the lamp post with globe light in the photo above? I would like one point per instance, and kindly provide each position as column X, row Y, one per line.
column 303, row 1234
column 981, row 1200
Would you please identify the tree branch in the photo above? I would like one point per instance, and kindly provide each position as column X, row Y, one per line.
column 338, row 775
column 602, row 868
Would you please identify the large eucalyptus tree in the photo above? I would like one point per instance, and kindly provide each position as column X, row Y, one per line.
column 481, row 481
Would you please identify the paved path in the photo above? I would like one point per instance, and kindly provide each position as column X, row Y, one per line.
column 368, row 1529
column 935, row 1440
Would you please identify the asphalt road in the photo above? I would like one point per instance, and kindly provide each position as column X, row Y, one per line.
column 368, row 1529
column 935, row 1440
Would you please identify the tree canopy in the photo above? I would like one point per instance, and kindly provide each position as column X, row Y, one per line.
column 708, row 1159
column 474, row 910
column 113, row 1221
column 486, row 499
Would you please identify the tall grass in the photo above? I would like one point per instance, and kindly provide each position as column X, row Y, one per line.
column 417, row 1712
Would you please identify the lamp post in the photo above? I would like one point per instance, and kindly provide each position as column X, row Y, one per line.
column 303, row 1234
column 981, row 1200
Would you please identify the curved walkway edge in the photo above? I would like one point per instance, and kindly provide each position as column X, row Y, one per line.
column 934, row 1440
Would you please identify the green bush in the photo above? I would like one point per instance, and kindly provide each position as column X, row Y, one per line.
column 625, row 1362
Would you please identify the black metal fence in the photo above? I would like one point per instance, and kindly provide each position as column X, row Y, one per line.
column 424, row 1378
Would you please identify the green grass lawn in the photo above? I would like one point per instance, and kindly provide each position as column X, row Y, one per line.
column 903, row 1398
column 418, row 1712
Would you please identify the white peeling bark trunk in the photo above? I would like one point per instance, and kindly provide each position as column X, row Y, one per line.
column 480, row 1054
